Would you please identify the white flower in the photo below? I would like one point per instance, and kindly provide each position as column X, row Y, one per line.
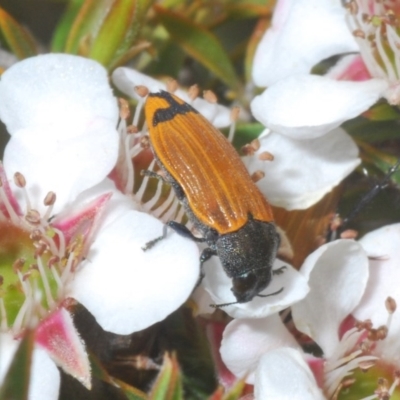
column 291, row 378
column 80, row 236
column 342, row 281
column 302, row 171
column 306, row 32
column 309, row 106
column 62, row 121
column 303, row 33
column 265, row 353
column 307, row 109
column 126, row 79
column 382, row 247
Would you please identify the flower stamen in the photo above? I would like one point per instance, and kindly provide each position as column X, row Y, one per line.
column 165, row 205
column 172, row 211
column 342, row 364
column 142, row 91
column 152, row 202
column 59, row 250
column 49, row 201
column 391, row 306
column 130, row 180
column 234, row 117
column 193, row 93
column 20, row 182
column 49, row 298
column 9, row 208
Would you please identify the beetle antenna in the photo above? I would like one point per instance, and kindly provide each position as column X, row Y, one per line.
column 223, row 305
column 271, row 294
column 236, row 302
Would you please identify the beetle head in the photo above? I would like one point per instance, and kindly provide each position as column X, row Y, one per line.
column 250, row 284
column 247, row 256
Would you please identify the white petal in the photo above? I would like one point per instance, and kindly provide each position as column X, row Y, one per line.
column 246, row 340
column 303, row 33
column 66, row 167
column 125, row 79
column 382, row 245
column 59, row 92
column 8, row 347
column 203, row 301
column 338, row 273
column 45, row 377
column 127, row 289
column 218, row 284
column 349, row 68
column 117, row 206
column 283, row 374
column 7, row 59
column 308, row 106
column 303, row 171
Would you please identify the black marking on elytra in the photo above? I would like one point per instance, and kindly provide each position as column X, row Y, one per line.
column 169, row 113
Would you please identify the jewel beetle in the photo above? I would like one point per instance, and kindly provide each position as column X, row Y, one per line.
column 217, row 193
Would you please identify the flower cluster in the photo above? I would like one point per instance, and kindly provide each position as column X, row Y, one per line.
column 349, row 310
column 67, row 232
column 74, row 219
column 345, row 278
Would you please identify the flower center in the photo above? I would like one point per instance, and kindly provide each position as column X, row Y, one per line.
column 359, row 368
column 376, row 27
column 35, row 262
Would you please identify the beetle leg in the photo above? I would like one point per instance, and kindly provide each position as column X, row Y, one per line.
column 279, row 271
column 180, row 229
column 183, row 231
column 150, row 244
column 206, row 254
column 151, row 174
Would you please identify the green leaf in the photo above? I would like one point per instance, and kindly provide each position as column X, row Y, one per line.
column 185, row 336
column 130, row 392
column 16, row 38
column 199, row 44
column 168, row 385
column 16, row 382
column 103, row 30
column 86, row 26
column 249, row 8
column 144, row 5
column 236, row 392
column 378, row 159
column 254, row 40
column 101, row 373
column 128, row 54
column 64, row 27
column 246, row 132
column 382, row 112
column 372, row 131
column 172, row 56
column 117, row 32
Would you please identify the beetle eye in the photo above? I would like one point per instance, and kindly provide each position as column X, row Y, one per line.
column 245, row 287
column 244, row 284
